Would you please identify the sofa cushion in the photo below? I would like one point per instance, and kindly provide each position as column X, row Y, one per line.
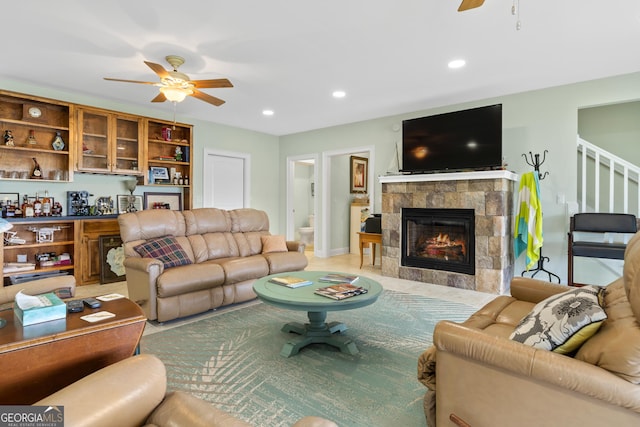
column 165, row 249
column 562, row 322
column 187, row 279
column 273, row 243
column 240, row 269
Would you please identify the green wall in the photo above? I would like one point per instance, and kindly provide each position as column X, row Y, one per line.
column 263, row 148
column 532, row 122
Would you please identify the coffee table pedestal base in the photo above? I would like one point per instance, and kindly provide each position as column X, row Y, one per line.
column 317, row 331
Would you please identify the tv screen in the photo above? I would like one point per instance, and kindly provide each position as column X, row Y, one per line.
column 461, row 140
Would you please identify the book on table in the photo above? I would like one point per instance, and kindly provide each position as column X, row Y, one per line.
column 338, row 278
column 341, row 291
column 290, row 281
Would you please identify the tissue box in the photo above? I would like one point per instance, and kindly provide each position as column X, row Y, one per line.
column 54, row 309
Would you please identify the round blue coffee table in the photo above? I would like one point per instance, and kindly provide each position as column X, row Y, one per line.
column 316, row 306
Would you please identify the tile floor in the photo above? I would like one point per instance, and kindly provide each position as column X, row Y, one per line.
column 344, row 263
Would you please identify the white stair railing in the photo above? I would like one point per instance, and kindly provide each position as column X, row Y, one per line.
column 596, row 167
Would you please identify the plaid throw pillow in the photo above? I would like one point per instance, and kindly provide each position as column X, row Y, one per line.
column 165, row 249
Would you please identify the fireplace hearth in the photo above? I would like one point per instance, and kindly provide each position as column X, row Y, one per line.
column 440, row 239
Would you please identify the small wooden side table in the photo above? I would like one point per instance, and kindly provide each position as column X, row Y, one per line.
column 373, row 238
column 40, row 359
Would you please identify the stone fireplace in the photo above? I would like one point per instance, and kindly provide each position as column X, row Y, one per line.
column 487, row 195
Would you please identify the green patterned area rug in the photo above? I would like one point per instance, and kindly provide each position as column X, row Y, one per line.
column 233, row 361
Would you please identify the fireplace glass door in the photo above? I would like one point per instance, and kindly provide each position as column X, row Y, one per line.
column 439, row 239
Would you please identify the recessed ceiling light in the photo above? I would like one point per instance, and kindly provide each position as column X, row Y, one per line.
column 339, row 94
column 267, row 112
column 457, row 63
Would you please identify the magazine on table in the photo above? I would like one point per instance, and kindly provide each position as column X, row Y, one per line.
column 290, row 281
column 338, row 278
column 341, row 291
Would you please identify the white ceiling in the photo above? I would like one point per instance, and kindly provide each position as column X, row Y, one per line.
column 289, row 55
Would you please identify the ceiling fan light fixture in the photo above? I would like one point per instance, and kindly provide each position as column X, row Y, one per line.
column 175, row 94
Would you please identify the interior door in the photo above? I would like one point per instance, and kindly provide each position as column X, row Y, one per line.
column 226, row 180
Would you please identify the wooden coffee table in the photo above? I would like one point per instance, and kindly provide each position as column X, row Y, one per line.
column 316, row 306
column 40, row 359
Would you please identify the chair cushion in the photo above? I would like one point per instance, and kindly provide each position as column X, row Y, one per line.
column 275, row 243
column 563, row 322
column 165, row 249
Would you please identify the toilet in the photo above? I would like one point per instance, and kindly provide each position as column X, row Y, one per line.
column 306, row 233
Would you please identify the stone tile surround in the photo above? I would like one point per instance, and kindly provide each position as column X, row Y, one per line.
column 489, row 193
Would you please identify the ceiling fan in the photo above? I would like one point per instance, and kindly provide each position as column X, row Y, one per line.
column 176, row 86
column 469, row 4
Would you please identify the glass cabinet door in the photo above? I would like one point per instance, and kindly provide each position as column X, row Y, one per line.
column 93, row 152
column 126, row 151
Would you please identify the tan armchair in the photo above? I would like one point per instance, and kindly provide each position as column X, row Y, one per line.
column 131, row 393
column 477, row 376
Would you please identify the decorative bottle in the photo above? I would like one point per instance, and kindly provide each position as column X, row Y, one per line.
column 37, row 206
column 31, row 139
column 46, row 204
column 37, row 170
column 27, row 208
column 58, row 143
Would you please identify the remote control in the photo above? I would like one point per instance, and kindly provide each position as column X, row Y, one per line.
column 92, row 303
column 75, row 306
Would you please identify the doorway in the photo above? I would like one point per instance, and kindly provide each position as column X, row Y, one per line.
column 302, row 203
column 336, row 198
column 226, row 179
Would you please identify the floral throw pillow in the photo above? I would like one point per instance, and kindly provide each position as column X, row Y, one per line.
column 563, row 322
column 166, row 249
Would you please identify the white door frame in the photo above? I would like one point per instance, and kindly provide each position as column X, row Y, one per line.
column 290, row 221
column 207, row 175
column 326, row 189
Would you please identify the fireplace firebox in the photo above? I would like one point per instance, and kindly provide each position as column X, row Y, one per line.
column 439, row 239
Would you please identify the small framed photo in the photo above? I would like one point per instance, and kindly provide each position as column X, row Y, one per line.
column 359, row 174
column 9, row 197
column 123, row 203
column 159, row 173
column 112, row 259
column 172, row 201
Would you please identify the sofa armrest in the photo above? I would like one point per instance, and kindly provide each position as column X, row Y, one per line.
column 537, row 366
column 293, row 246
column 532, row 290
column 142, row 274
column 122, row 394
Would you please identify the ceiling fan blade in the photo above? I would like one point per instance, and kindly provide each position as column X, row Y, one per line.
column 158, row 69
column 129, row 81
column 469, row 4
column 207, row 98
column 159, row 98
column 212, row 83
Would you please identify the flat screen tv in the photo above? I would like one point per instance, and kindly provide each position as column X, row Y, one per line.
column 450, row 142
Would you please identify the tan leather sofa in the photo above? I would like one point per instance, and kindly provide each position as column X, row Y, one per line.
column 226, row 253
column 476, row 375
column 132, row 393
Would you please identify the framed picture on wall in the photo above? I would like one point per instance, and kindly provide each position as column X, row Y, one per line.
column 359, row 174
column 172, row 201
column 112, row 259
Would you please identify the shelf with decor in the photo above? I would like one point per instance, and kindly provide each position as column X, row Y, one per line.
column 35, row 127
column 43, row 240
column 168, row 146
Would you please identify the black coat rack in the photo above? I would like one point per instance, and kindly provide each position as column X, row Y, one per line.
column 534, row 161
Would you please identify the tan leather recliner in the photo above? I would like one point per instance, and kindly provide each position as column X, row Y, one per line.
column 131, row 393
column 477, row 375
